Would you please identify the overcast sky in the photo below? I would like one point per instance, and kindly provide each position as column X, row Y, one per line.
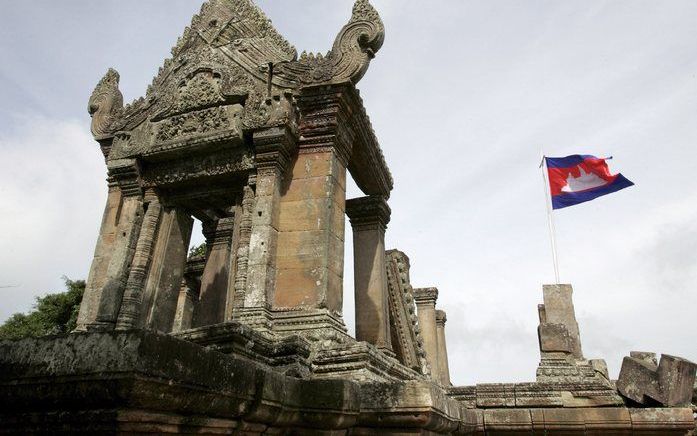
column 464, row 96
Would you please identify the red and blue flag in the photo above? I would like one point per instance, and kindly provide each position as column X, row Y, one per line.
column 579, row 178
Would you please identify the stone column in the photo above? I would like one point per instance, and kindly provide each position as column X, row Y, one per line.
column 169, row 262
column 443, row 367
column 242, row 255
column 369, row 218
column 100, row 308
column 214, row 281
column 273, row 151
column 100, row 262
column 130, row 312
column 189, row 292
column 425, row 299
column 185, row 308
column 311, row 241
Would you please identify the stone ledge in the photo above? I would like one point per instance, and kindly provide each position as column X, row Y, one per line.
column 138, row 382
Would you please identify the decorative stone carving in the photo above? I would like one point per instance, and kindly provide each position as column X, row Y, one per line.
column 245, row 233
column 371, row 211
column 133, row 294
column 404, row 326
column 105, row 105
column 221, row 163
column 354, row 47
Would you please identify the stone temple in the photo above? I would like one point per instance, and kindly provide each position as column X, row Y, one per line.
column 256, row 142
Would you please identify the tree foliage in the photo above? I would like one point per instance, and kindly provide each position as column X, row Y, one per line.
column 52, row 314
column 197, row 250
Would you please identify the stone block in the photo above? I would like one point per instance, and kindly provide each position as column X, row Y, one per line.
column 536, row 395
column 600, row 366
column 637, row 381
column 491, row 395
column 309, row 214
column 559, row 309
column 608, row 421
column 669, row 384
column 645, row 356
column 507, row 421
column 565, row 421
column 308, row 188
column 661, row 421
column 554, row 338
column 301, row 287
column 676, row 377
column 309, row 165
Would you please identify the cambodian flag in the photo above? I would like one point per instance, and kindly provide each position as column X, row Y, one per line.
column 579, row 178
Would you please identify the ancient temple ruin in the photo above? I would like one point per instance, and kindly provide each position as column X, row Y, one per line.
column 239, row 132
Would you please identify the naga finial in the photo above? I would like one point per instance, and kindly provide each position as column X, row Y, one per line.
column 105, row 105
column 357, row 42
column 354, row 47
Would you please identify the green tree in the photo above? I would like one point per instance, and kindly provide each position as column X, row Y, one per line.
column 53, row 314
column 197, row 250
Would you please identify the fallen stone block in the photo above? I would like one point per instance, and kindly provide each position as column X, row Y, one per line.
column 670, row 383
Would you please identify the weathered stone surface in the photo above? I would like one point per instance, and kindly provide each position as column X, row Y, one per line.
column 425, row 299
column 554, row 338
column 559, row 310
column 671, row 383
column 369, row 217
column 443, row 366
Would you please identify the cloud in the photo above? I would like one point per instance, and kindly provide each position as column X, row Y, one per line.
column 52, row 201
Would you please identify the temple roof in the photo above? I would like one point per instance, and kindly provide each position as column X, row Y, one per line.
column 232, row 55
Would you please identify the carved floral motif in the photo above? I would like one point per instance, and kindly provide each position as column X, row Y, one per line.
column 227, row 162
column 194, row 123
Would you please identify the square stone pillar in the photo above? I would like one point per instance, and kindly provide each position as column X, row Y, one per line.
column 369, row 218
column 274, row 147
column 132, row 304
column 101, row 305
column 311, row 239
column 425, row 299
column 214, row 281
column 443, row 367
column 558, row 329
column 168, row 265
column 100, row 263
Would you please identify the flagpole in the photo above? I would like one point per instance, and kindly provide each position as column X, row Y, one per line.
column 550, row 219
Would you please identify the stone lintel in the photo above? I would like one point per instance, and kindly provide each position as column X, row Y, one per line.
column 426, row 296
column 369, row 211
column 219, row 231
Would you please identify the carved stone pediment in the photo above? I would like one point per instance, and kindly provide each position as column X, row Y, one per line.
column 232, row 54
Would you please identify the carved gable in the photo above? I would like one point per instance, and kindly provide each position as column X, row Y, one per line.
column 231, row 54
